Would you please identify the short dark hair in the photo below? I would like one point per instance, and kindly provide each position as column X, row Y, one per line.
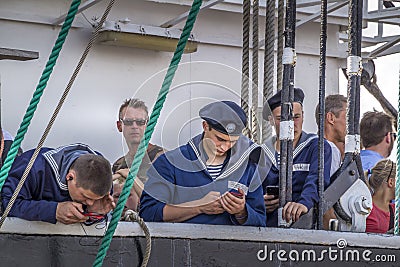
column 133, row 103
column 334, row 104
column 93, row 173
column 374, row 126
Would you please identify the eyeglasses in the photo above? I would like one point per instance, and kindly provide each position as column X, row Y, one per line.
column 129, row 122
column 394, row 135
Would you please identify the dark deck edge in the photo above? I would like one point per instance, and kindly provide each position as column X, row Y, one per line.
column 209, row 232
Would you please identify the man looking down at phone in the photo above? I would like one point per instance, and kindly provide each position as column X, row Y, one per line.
column 69, row 184
column 305, row 162
column 210, row 180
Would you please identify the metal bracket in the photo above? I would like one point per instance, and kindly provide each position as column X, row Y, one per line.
column 332, row 194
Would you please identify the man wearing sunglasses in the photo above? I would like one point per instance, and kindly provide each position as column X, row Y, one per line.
column 378, row 136
column 211, row 179
column 132, row 121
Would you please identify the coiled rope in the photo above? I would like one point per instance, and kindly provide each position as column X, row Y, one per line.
column 55, row 113
column 132, row 216
column 149, row 130
column 38, row 92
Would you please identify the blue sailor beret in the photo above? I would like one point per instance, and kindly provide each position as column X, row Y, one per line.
column 275, row 101
column 226, row 117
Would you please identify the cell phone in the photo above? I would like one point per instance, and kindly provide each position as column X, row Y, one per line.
column 273, row 190
column 93, row 215
column 236, row 194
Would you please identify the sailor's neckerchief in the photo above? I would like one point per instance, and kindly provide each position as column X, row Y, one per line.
column 61, row 159
column 235, row 158
column 269, row 146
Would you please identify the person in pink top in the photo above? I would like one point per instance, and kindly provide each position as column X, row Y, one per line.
column 382, row 182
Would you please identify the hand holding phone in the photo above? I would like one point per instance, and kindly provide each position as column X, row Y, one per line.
column 236, row 194
column 93, row 215
column 272, row 190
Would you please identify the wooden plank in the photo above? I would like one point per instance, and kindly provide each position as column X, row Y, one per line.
column 16, row 54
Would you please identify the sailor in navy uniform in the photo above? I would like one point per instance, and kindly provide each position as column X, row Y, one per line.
column 211, row 179
column 305, row 162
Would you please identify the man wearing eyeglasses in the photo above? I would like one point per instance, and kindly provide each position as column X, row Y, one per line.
column 132, row 121
column 378, row 136
column 210, row 180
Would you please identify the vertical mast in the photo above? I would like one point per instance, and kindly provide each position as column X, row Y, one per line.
column 286, row 132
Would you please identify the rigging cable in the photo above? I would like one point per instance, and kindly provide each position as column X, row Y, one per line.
column 244, row 94
column 268, row 85
column 149, row 131
column 321, row 111
column 279, row 70
column 397, row 187
column 55, row 113
column 354, row 69
column 39, row 91
column 358, row 88
column 254, row 75
column 286, row 133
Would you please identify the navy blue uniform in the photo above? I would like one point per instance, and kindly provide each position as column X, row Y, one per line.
column 305, row 171
column 180, row 176
column 45, row 185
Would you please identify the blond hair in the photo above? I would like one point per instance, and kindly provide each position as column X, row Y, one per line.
column 382, row 171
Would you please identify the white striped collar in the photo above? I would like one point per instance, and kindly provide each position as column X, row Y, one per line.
column 49, row 156
column 269, row 146
column 231, row 167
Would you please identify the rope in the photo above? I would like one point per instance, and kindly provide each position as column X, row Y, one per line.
column 149, row 130
column 268, row 86
column 352, row 77
column 353, row 95
column 55, row 113
column 132, row 216
column 321, row 118
column 286, row 158
column 246, row 62
column 38, row 92
column 279, row 69
column 397, row 188
column 254, row 75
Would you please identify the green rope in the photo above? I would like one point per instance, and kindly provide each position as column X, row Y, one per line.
column 397, row 188
column 162, row 95
column 38, row 92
